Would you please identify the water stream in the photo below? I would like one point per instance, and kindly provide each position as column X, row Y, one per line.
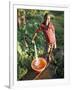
column 36, row 55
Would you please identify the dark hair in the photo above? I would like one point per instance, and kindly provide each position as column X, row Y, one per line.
column 45, row 16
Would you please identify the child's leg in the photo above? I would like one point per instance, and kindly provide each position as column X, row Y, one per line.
column 49, row 52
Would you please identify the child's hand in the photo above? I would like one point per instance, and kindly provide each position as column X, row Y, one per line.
column 33, row 41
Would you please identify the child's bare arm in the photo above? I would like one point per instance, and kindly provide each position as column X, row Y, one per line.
column 53, row 28
column 35, row 35
column 55, row 45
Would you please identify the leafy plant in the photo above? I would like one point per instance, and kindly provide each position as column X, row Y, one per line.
column 25, row 48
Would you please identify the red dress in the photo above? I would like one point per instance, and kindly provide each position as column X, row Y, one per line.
column 49, row 32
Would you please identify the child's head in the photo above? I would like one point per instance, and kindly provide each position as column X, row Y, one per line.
column 47, row 18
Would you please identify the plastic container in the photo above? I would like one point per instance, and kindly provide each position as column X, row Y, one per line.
column 40, row 66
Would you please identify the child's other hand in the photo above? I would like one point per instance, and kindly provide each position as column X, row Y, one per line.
column 55, row 46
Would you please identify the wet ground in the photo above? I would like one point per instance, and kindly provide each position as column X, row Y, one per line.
column 52, row 71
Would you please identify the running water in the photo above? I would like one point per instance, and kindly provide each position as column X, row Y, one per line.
column 36, row 55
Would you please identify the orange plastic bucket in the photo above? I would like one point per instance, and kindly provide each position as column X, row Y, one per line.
column 40, row 66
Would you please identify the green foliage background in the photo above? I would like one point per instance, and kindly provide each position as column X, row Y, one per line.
column 25, row 48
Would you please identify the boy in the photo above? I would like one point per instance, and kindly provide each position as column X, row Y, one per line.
column 49, row 32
